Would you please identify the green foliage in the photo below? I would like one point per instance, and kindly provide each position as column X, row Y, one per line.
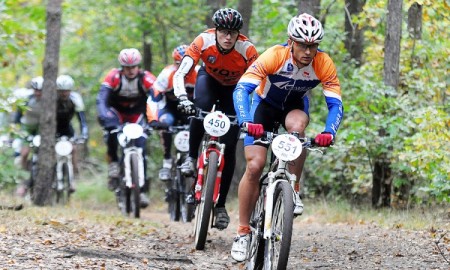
column 10, row 175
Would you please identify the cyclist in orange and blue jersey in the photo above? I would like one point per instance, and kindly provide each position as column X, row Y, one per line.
column 280, row 79
column 226, row 55
column 162, row 106
column 122, row 98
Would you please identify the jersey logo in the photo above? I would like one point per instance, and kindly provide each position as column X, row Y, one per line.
column 290, row 67
column 211, row 59
column 290, row 86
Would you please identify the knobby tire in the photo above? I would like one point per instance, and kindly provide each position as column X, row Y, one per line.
column 135, row 188
column 204, row 209
column 183, row 189
column 256, row 249
column 174, row 202
column 62, row 195
column 279, row 244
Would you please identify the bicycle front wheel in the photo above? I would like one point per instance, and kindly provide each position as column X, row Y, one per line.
column 63, row 187
column 186, row 209
column 172, row 198
column 204, row 209
column 135, row 191
column 279, row 243
column 256, row 249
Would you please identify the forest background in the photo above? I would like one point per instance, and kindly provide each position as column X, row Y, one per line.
column 395, row 139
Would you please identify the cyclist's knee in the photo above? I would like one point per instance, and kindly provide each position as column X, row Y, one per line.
column 254, row 168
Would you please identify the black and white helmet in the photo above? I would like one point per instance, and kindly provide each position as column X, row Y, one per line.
column 37, row 83
column 228, row 18
column 64, row 82
column 305, row 28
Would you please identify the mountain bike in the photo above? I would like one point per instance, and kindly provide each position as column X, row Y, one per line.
column 131, row 178
column 272, row 219
column 34, row 141
column 179, row 185
column 64, row 178
column 209, row 171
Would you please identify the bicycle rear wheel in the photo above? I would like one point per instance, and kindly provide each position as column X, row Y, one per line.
column 256, row 250
column 204, row 208
column 135, row 191
column 186, row 209
column 279, row 244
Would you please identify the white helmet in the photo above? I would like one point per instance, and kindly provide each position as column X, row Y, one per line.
column 305, row 28
column 64, row 82
column 37, row 83
column 129, row 57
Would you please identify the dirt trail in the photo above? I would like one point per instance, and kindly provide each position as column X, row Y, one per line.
column 157, row 243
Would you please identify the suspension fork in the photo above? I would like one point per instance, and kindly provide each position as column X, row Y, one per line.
column 127, row 166
column 203, row 159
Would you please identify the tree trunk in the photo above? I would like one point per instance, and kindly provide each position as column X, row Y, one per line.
column 415, row 21
column 312, row 7
column 245, row 8
column 392, row 43
column 354, row 33
column 47, row 127
column 382, row 182
column 147, row 51
column 382, row 164
column 214, row 6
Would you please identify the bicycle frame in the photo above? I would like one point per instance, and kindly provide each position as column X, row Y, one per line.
column 127, row 142
column 207, row 187
column 210, row 144
column 273, row 175
column 132, row 177
column 63, row 149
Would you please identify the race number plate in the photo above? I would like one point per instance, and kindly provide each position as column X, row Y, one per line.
column 181, row 141
column 286, row 147
column 216, row 124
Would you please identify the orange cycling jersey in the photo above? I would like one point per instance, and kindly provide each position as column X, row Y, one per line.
column 164, row 81
column 228, row 68
column 278, row 80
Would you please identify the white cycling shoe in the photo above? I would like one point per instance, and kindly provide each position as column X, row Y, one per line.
column 298, row 205
column 239, row 249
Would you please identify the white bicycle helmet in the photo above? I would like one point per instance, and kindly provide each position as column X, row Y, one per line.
column 305, row 28
column 64, row 82
column 129, row 57
column 37, row 83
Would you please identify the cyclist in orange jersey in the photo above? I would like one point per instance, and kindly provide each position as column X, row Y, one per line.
column 162, row 106
column 280, row 79
column 226, row 55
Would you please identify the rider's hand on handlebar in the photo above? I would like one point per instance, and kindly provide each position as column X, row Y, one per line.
column 158, row 125
column 254, row 130
column 324, row 139
column 186, row 106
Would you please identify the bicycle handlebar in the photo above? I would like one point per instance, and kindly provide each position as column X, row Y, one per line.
column 268, row 137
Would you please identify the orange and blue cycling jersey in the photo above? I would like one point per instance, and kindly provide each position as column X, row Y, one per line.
column 277, row 81
column 226, row 69
column 164, row 83
column 162, row 92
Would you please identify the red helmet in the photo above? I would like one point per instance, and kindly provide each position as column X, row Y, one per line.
column 129, row 57
column 179, row 52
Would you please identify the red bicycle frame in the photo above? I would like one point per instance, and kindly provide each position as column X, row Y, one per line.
column 213, row 145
